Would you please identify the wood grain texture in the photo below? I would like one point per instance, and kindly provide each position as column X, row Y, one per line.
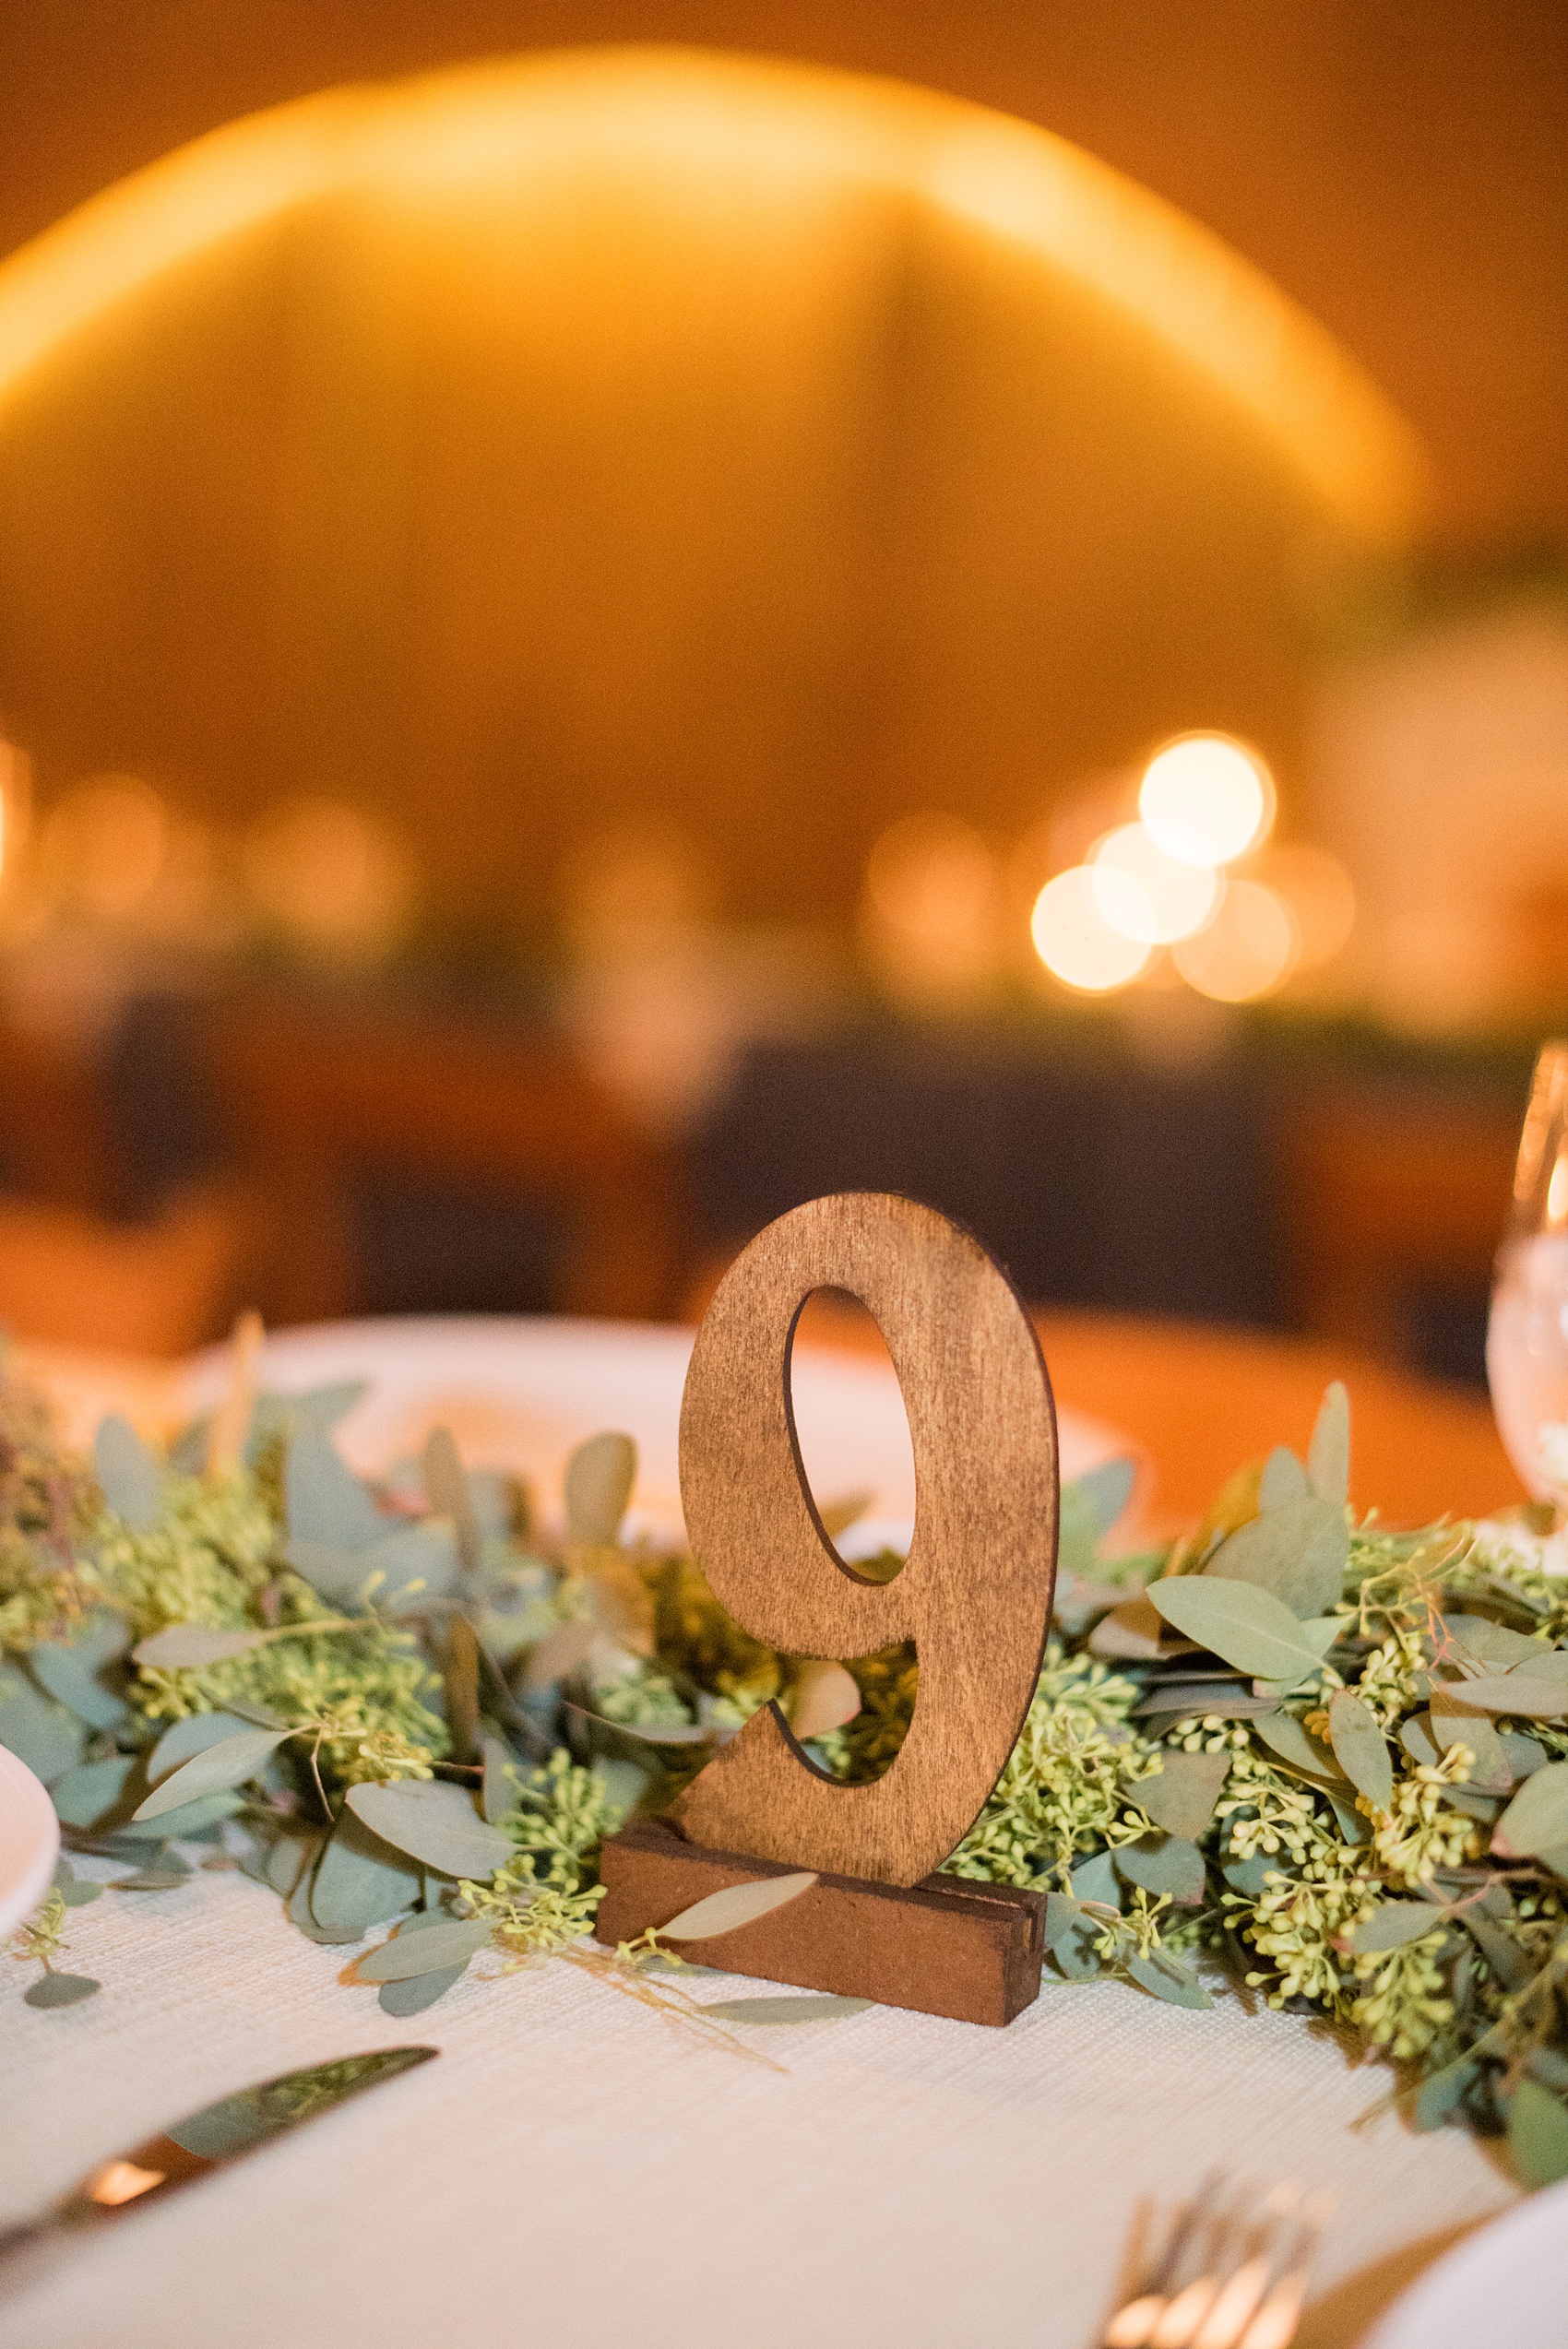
column 975, row 1593
column 971, row 1951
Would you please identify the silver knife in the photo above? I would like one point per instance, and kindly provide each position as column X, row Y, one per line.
column 205, row 2141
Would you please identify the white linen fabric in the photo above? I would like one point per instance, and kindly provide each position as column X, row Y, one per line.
column 572, row 2172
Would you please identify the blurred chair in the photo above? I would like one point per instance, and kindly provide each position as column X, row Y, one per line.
column 1387, row 1200
column 317, row 1101
column 159, row 1287
column 73, row 1269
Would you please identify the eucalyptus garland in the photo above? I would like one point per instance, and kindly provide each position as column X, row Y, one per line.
column 1295, row 1752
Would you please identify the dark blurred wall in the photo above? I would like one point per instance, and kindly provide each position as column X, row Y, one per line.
column 1400, row 170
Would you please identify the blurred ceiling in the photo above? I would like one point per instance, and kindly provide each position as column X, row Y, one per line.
column 1399, row 172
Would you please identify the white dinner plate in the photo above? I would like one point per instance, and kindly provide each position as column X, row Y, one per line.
column 1508, row 2283
column 30, row 1840
column 519, row 1393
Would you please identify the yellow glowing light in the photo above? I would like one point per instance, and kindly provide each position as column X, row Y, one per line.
column 339, row 880
column 120, row 2182
column 1075, row 939
column 1319, row 893
column 930, row 914
column 711, row 116
column 102, row 847
column 1206, row 800
column 1247, row 950
column 1171, row 899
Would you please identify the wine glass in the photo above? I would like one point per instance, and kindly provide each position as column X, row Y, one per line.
column 1526, row 1345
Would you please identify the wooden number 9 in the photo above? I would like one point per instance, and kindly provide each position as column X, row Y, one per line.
column 975, row 1593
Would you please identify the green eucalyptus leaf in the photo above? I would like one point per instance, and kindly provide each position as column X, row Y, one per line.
column 1298, row 1549
column 1094, row 1880
column 1511, row 1966
column 191, row 1818
column 94, row 1793
column 417, row 1991
column 1250, row 1876
column 131, row 1477
column 1535, row 1821
column 1283, row 1479
column 1525, row 1754
column 429, row 1950
column 228, row 1764
column 61, row 1989
column 72, row 1679
column 1457, row 1724
column 1416, row 1737
column 1395, row 1923
column 290, row 1857
column 48, row 1737
column 1062, row 1913
column 735, row 1906
column 1182, row 1799
column 1164, row 1864
column 1353, row 1825
column 624, row 1782
column 1529, row 1696
column 1102, row 1495
column 1244, row 1625
column 447, row 1490
column 1538, row 2134
column 806, row 2008
column 194, row 1735
column 434, row 1824
column 1074, row 1953
column 359, row 1881
column 1444, row 2091
column 1168, row 1979
column 1328, row 1458
column 1490, row 1643
column 406, row 1568
column 1292, row 1743
column 1233, row 1700
column 600, row 1476
column 324, row 1499
column 1360, row 1748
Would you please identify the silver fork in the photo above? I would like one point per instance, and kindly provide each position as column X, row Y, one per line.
column 1229, row 2273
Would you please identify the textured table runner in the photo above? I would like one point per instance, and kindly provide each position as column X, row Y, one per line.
column 574, row 2175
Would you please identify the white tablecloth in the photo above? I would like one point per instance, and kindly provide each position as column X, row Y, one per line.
column 571, row 2173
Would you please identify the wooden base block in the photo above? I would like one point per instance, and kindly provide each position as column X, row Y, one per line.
column 971, row 1951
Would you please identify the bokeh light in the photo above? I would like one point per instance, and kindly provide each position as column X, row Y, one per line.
column 932, row 911
column 1249, row 948
column 1319, row 893
column 101, row 847
column 1075, row 938
column 633, row 889
column 1171, row 899
column 337, row 881
column 1206, row 800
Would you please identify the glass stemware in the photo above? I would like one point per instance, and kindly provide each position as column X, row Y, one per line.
column 1527, row 1346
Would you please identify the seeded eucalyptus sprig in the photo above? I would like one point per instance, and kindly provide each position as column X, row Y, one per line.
column 1298, row 1747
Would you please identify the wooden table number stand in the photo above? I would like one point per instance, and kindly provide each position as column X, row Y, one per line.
column 974, row 1595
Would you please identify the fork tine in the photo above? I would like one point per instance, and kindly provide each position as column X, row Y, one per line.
column 1134, row 2324
column 1274, row 2326
column 1189, row 2312
column 1241, row 2293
